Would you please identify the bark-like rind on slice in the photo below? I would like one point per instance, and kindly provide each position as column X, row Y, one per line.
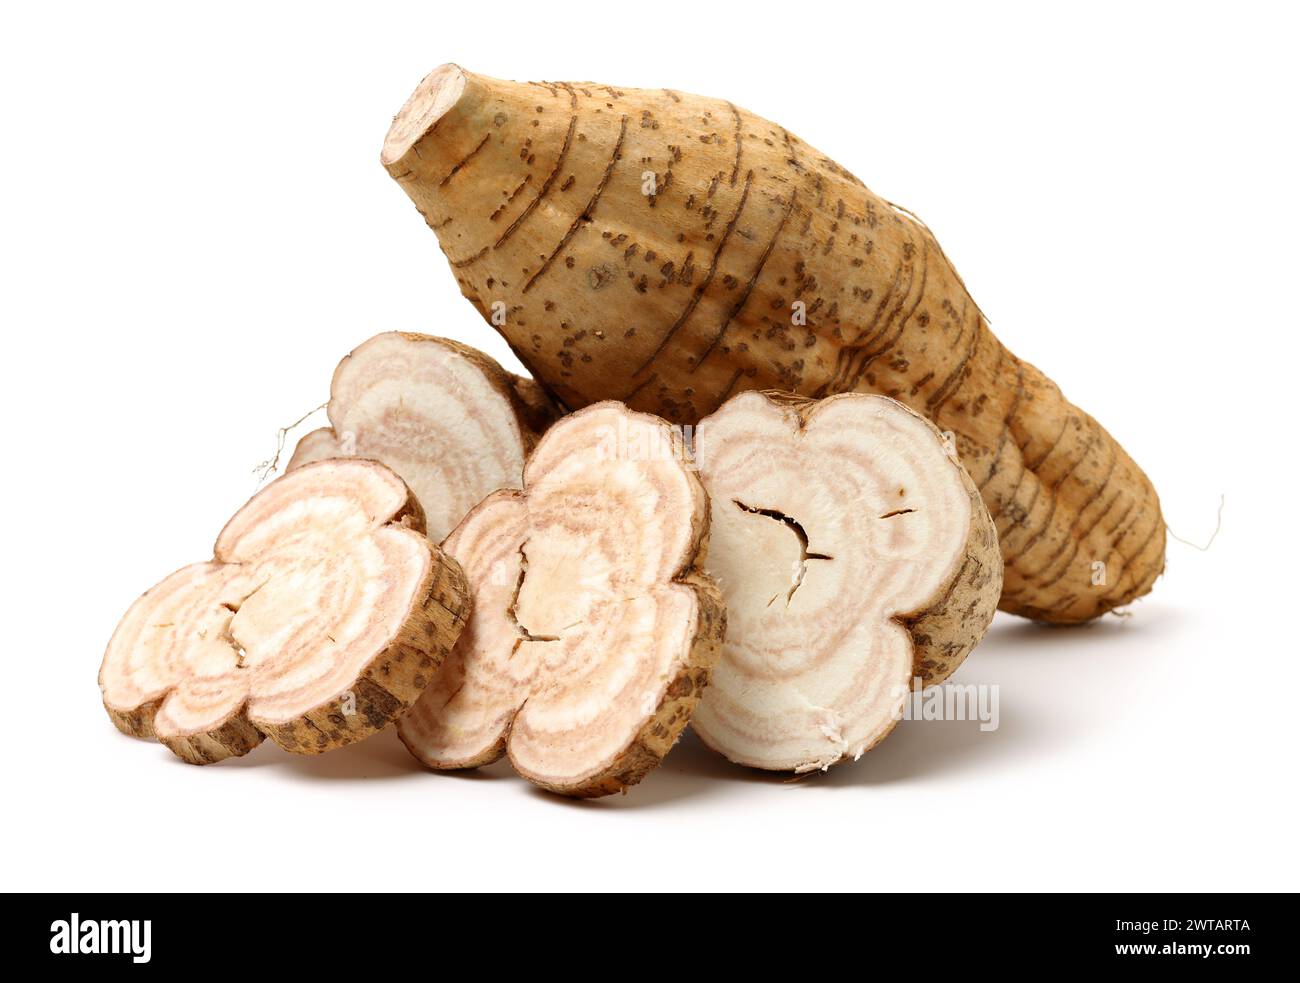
column 593, row 630
column 321, row 618
column 946, row 631
column 854, row 554
column 448, row 419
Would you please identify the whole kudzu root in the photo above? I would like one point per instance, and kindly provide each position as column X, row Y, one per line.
column 669, row 251
column 593, row 630
column 448, row 419
column 322, row 616
column 854, row 555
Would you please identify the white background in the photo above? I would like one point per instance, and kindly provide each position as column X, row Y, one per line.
column 194, row 228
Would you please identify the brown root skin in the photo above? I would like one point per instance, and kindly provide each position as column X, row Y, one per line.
column 945, row 634
column 232, row 740
column 383, row 687
column 536, row 406
column 136, row 721
column 674, row 293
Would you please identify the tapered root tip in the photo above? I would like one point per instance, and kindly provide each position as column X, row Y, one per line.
column 429, row 102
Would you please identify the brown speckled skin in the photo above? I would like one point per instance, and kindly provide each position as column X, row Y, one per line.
column 673, row 300
column 946, row 631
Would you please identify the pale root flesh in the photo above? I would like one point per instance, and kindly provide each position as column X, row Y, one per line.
column 448, row 419
column 670, row 250
column 431, row 99
column 592, row 631
column 322, row 615
column 836, row 526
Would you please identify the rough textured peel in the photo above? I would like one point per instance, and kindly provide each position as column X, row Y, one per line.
column 670, row 250
column 447, row 418
column 322, row 616
column 593, row 631
column 854, row 555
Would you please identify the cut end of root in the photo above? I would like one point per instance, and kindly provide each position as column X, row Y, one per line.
column 436, row 94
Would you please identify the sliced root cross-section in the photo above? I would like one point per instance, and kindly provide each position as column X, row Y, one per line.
column 448, row 419
column 593, row 630
column 854, row 555
column 322, row 616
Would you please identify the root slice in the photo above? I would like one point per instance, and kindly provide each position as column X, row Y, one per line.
column 321, row 617
column 909, row 581
column 593, row 630
column 448, row 419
